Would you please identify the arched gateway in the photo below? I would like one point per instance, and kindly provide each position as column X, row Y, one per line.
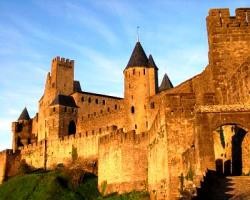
column 223, row 139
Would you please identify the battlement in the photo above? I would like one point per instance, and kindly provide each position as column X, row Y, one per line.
column 63, row 61
column 87, row 134
column 221, row 18
column 119, row 136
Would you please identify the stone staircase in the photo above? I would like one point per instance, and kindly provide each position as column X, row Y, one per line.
column 223, row 188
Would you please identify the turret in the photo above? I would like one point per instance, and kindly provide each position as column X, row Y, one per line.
column 229, row 45
column 165, row 83
column 140, row 82
column 21, row 130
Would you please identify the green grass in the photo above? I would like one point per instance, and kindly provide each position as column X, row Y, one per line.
column 54, row 186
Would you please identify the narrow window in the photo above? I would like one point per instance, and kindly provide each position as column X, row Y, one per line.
column 144, row 72
column 82, row 99
column 135, row 126
column 71, row 128
column 132, row 109
column 96, row 101
column 115, row 107
column 108, row 109
column 89, row 100
column 103, row 102
column 152, row 105
column 54, row 109
column 133, row 71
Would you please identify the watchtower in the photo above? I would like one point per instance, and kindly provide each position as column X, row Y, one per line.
column 140, row 82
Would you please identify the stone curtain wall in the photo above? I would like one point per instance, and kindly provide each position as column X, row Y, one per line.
column 122, row 162
column 158, row 171
column 60, row 151
column 3, row 161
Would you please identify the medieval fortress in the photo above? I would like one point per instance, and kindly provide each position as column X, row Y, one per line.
column 148, row 138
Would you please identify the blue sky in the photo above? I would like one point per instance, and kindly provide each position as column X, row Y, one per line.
column 100, row 36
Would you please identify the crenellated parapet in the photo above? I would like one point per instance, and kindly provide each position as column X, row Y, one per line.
column 120, row 137
column 221, row 18
column 63, row 62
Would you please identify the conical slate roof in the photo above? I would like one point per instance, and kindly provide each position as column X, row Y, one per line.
column 165, row 84
column 77, row 86
column 151, row 62
column 138, row 57
column 24, row 115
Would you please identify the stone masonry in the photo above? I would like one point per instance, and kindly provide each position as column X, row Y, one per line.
column 153, row 136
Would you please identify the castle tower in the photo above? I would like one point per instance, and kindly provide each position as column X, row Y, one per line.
column 62, row 75
column 229, row 44
column 140, row 82
column 59, row 82
column 21, row 130
column 63, row 117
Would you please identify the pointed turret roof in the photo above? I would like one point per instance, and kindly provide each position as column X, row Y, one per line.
column 151, row 62
column 166, row 83
column 77, row 86
column 138, row 57
column 24, row 115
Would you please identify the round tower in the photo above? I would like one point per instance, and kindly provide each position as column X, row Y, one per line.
column 21, row 130
column 140, row 82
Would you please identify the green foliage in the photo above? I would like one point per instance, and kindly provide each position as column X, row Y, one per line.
column 190, row 174
column 24, row 168
column 74, row 154
column 128, row 196
column 35, row 186
column 181, row 178
column 75, row 175
column 55, row 186
column 103, row 187
column 222, row 138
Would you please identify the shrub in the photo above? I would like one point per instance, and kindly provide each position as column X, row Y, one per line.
column 24, row 168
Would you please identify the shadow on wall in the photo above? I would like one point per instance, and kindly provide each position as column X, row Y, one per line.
column 229, row 153
column 215, row 187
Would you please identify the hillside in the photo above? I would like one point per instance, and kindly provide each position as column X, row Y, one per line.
column 53, row 186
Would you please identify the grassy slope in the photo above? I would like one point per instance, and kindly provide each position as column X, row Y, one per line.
column 51, row 186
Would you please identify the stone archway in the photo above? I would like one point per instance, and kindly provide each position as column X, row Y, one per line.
column 230, row 153
column 71, row 128
column 208, row 120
